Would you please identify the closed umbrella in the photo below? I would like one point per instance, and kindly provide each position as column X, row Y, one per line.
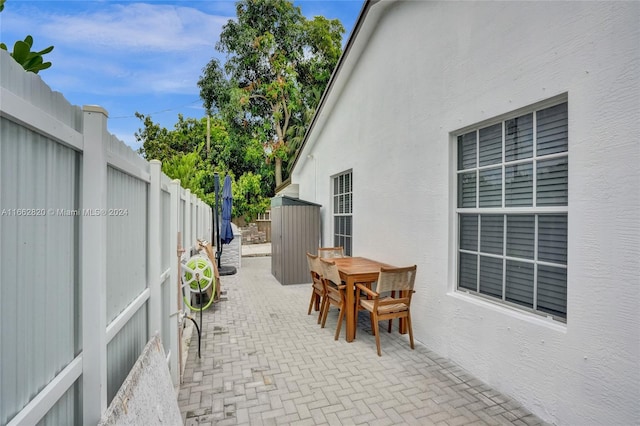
column 226, row 232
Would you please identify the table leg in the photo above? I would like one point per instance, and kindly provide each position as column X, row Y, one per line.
column 350, row 302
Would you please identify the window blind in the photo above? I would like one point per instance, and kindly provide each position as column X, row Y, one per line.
column 491, row 187
column 492, row 234
column 519, row 283
column 491, row 276
column 490, row 145
column 552, row 238
column 521, row 236
column 519, row 138
column 519, row 185
column 553, row 180
column 552, row 130
column 468, row 271
column 520, row 164
column 467, row 151
column 552, row 290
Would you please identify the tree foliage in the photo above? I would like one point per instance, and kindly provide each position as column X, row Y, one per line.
column 260, row 100
column 31, row 61
column 183, row 153
column 248, row 200
column 277, row 63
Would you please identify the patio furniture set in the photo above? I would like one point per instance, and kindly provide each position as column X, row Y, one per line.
column 353, row 284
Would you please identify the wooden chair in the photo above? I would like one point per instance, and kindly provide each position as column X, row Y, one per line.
column 398, row 281
column 334, row 292
column 330, row 252
column 317, row 286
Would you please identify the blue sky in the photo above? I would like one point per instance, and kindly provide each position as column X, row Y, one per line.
column 129, row 56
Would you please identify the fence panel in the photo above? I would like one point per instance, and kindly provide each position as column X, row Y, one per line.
column 165, row 218
column 68, row 407
column 126, row 240
column 124, row 349
column 166, row 287
column 38, row 263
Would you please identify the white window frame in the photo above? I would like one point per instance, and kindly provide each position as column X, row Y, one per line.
column 337, row 237
column 506, row 212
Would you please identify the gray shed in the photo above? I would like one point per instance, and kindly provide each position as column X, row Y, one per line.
column 295, row 230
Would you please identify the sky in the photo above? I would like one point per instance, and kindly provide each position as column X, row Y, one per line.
column 135, row 56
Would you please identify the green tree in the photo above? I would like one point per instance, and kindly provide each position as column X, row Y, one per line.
column 155, row 142
column 183, row 153
column 192, row 172
column 184, row 156
column 248, row 200
column 277, row 61
column 32, row 61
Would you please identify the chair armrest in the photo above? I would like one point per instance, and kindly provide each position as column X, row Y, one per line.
column 367, row 290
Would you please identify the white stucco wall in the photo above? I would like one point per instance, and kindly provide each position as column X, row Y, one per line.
column 430, row 69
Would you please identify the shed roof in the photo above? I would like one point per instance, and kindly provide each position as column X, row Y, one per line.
column 284, row 200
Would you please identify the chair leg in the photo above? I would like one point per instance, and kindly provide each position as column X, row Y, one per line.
column 377, row 333
column 374, row 326
column 410, row 329
column 340, row 318
column 313, row 299
column 324, row 300
column 325, row 313
column 393, row 294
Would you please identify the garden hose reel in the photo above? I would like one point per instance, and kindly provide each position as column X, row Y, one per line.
column 197, row 278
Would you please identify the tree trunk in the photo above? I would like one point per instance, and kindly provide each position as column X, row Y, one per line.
column 278, row 171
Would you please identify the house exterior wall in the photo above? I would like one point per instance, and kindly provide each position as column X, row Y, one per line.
column 430, row 69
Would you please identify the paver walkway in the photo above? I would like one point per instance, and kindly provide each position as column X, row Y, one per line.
column 266, row 362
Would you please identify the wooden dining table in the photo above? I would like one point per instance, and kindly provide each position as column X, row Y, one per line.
column 356, row 270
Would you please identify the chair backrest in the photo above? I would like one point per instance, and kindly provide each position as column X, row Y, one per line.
column 314, row 264
column 396, row 279
column 330, row 252
column 330, row 271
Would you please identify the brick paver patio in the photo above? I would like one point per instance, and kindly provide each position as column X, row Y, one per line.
column 265, row 362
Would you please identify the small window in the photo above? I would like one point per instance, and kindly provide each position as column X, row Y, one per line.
column 343, row 211
column 512, row 184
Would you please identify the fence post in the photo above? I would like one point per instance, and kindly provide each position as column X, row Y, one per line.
column 154, row 253
column 187, row 223
column 174, row 222
column 194, row 219
column 94, row 265
column 209, row 223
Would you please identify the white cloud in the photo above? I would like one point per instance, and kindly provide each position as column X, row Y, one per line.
column 127, row 48
column 136, row 27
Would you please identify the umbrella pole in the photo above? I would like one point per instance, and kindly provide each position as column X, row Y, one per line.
column 212, row 241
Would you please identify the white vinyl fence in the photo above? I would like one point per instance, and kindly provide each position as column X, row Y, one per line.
column 88, row 255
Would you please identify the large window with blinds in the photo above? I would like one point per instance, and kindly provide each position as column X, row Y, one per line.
column 512, row 188
column 343, row 211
